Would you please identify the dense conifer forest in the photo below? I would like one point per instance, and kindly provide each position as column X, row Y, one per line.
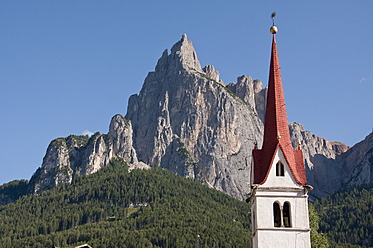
column 347, row 217
column 155, row 208
column 95, row 209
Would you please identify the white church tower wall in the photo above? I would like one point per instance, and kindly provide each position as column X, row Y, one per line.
column 291, row 230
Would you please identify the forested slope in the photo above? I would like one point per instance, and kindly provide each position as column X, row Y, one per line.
column 347, row 217
column 95, row 209
column 170, row 212
column 13, row 190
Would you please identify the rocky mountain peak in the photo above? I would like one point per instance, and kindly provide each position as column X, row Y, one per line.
column 252, row 92
column 182, row 57
column 67, row 158
column 210, row 72
column 188, row 121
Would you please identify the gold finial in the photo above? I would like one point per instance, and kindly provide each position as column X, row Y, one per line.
column 278, row 136
column 273, row 28
column 298, row 145
column 255, row 145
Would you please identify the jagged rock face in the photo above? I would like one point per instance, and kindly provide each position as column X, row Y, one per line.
column 358, row 164
column 120, row 130
column 252, row 92
column 210, row 72
column 331, row 165
column 67, row 158
column 55, row 169
column 96, row 154
column 321, row 160
column 188, row 122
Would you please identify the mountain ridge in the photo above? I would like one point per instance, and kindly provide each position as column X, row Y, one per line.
column 185, row 119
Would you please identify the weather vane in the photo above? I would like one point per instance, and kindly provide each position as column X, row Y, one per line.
column 273, row 28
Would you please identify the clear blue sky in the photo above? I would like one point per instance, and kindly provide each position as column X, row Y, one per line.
column 69, row 66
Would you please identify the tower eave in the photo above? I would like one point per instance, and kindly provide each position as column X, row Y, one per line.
column 263, row 167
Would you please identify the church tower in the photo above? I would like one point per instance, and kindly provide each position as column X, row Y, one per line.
column 279, row 207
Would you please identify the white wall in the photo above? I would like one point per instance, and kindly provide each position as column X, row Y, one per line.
column 276, row 181
column 280, row 189
column 290, row 239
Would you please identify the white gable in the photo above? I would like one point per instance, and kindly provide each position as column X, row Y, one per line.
column 280, row 181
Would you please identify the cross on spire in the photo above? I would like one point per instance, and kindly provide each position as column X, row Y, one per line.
column 273, row 29
column 273, row 17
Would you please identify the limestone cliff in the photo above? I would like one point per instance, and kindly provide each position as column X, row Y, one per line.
column 330, row 165
column 357, row 164
column 67, row 158
column 187, row 121
column 320, row 159
column 252, row 92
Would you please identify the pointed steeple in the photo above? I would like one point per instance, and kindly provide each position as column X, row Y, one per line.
column 279, row 200
column 276, row 129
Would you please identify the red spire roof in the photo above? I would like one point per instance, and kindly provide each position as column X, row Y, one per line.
column 276, row 130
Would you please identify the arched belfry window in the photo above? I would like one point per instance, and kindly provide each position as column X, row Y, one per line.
column 286, row 214
column 276, row 214
column 280, row 170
